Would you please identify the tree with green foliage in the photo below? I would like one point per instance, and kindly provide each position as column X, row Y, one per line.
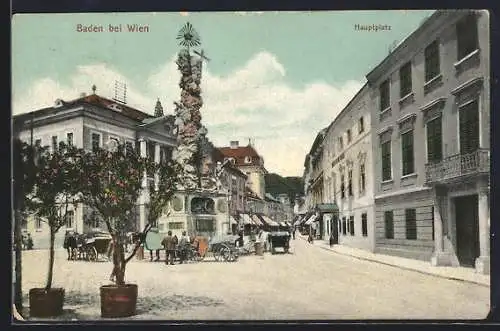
column 55, row 187
column 112, row 182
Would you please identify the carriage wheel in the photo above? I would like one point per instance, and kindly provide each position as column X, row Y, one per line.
column 217, row 254
column 92, row 254
column 225, row 253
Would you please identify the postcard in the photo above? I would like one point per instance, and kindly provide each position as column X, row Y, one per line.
column 254, row 166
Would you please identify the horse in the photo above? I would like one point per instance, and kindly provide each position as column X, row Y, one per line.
column 71, row 240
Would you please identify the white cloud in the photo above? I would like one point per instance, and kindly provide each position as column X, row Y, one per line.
column 254, row 101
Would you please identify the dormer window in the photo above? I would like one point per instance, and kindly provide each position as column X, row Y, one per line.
column 115, row 107
column 248, row 159
column 58, row 103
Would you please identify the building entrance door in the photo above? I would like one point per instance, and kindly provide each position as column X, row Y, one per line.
column 467, row 226
column 335, row 230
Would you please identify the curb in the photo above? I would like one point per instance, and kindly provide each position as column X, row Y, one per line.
column 401, row 267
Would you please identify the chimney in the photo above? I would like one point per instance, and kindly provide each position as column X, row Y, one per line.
column 234, row 144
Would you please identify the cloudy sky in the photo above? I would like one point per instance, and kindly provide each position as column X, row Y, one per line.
column 277, row 78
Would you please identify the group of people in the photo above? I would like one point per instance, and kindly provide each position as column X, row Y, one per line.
column 174, row 246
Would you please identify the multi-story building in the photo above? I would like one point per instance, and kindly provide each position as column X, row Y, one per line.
column 248, row 161
column 347, row 169
column 233, row 181
column 89, row 122
column 313, row 175
column 430, row 132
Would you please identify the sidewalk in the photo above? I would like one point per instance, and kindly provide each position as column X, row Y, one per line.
column 459, row 273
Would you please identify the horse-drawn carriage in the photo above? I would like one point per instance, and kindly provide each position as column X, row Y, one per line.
column 222, row 248
column 87, row 246
column 279, row 239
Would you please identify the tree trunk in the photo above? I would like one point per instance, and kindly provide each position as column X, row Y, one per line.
column 18, row 291
column 51, row 260
column 119, row 262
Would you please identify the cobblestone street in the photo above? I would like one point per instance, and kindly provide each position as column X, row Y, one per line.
column 311, row 283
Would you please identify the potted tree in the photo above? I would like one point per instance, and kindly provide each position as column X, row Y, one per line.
column 112, row 184
column 54, row 192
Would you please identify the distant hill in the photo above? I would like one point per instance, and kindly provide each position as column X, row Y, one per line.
column 275, row 184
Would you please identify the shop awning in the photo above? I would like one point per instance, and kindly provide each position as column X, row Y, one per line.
column 270, row 221
column 305, row 218
column 311, row 219
column 232, row 220
column 256, row 220
column 246, row 219
column 327, row 208
column 283, row 224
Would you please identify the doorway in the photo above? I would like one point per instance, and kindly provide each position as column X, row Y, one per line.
column 467, row 229
column 335, row 230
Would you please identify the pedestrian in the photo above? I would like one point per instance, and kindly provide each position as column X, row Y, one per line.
column 183, row 246
column 332, row 239
column 29, row 242
column 169, row 244
column 293, row 232
column 310, row 238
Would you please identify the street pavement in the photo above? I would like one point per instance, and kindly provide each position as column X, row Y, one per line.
column 308, row 284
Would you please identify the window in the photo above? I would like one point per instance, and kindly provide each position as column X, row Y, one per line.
column 334, row 182
column 405, row 80
column 434, row 141
column 361, row 125
column 364, row 224
column 469, row 128
column 344, row 226
column 162, row 154
column 467, row 40
column 176, row 225
column 432, row 64
column 411, row 224
column 342, row 187
column 69, row 138
column 351, row 225
column 54, row 143
column 205, row 225
column 70, row 217
column 248, row 159
column 385, row 100
column 349, row 136
column 96, row 141
column 349, row 187
column 150, row 149
column 389, row 224
column 362, row 178
column 386, row 161
column 341, row 143
column 38, row 222
column 129, row 147
column 407, row 153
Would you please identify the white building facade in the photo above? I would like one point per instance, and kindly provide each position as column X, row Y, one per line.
column 430, row 130
column 90, row 122
column 347, row 171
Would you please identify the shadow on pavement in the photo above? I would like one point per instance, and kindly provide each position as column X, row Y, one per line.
column 86, row 306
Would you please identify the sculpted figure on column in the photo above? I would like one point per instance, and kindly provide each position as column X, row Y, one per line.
column 190, row 132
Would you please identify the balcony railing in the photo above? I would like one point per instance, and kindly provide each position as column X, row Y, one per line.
column 457, row 166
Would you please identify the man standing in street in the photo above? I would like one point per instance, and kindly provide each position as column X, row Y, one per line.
column 169, row 244
column 183, row 246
